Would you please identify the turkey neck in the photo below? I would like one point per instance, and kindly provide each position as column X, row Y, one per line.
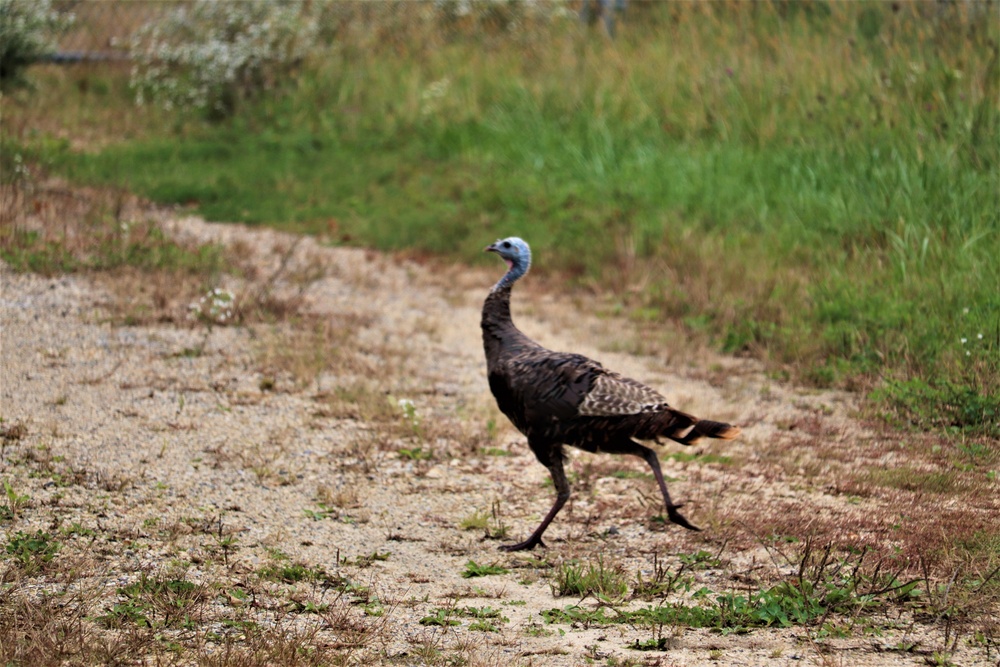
column 499, row 331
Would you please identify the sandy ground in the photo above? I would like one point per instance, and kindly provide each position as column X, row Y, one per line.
column 170, row 438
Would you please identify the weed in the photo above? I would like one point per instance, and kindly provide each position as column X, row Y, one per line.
column 154, row 602
column 485, row 619
column 606, row 583
column 366, row 561
column 701, row 560
column 476, row 521
column 323, row 511
column 441, row 617
column 474, row 569
column 32, row 551
column 664, row 580
column 535, row 630
column 491, row 524
column 15, row 502
column 291, row 573
column 415, row 453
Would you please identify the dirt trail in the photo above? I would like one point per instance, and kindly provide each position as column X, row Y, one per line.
column 174, row 430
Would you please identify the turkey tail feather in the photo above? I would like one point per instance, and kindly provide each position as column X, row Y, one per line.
column 706, row 428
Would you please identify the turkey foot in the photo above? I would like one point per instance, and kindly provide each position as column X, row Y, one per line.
column 527, row 545
column 678, row 518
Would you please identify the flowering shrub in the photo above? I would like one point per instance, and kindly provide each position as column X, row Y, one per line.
column 27, row 32
column 211, row 54
column 216, row 307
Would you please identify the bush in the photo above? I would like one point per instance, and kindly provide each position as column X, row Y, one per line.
column 212, row 54
column 27, row 33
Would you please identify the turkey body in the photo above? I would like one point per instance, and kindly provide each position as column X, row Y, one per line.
column 559, row 398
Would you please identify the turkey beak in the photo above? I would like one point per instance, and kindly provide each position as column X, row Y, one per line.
column 490, row 248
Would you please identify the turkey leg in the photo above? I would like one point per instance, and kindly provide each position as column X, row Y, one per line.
column 555, row 466
column 635, row 449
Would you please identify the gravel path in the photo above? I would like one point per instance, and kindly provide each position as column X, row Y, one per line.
column 173, row 439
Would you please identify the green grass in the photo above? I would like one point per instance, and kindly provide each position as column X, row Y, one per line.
column 597, row 579
column 819, row 188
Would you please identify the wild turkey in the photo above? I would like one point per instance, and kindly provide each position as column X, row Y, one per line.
column 556, row 398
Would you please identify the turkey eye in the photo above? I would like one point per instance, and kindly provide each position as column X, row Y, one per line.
column 506, row 244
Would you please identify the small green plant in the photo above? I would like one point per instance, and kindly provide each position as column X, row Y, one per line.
column 440, row 617
column 415, row 453
column 478, row 520
column 474, row 569
column 76, row 528
column 664, row 580
column 307, row 607
column 536, row 630
column 491, row 524
column 496, row 451
column 125, row 613
column 154, row 602
column 32, row 551
column 491, row 429
column 485, row 619
column 323, row 511
column 700, row 560
column 290, row 573
column 410, row 415
column 15, row 502
column 366, row 561
column 483, row 626
column 654, row 644
column 607, row 583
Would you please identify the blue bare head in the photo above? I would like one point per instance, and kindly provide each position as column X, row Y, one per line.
column 517, row 254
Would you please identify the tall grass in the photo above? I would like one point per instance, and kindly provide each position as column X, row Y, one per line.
column 816, row 184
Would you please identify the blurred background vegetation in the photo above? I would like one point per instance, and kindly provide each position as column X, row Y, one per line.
column 815, row 184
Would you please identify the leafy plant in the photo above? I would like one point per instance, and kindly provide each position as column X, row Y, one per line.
column 491, row 524
column 366, row 561
column 441, row 617
column 607, row 583
column 15, row 502
column 290, row 572
column 486, row 619
column 700, row 560
column 32, row 551
column 474, row 569
column 664, row 580
column 153, row 602
column 324, row 511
